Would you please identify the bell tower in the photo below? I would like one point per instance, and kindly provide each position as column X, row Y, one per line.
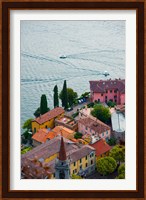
column 62, row 170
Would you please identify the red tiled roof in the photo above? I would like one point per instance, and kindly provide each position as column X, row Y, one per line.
column 101, row 147
column 95, row 125
column 103, row 85
column 49, row 115
column 41, row 135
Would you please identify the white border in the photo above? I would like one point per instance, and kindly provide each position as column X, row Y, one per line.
column 130, row 182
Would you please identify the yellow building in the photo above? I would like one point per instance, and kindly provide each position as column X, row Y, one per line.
column 47, row 120
column 81, row 158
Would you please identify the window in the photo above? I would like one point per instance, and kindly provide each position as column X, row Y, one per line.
column 102, row 134
column 115, row 91
column 54, row 174
column 105, row 97
column 86, row 127
column 80, row 167
column 98, row 100
column 110, row 91
column 101, row 94
column 80, row 160
column 34, row 130
column 46, row 126
column 91, row 162
column 74, row 163
column 115, row 96
column 86, row 157
column 86, row 165
column 106, row 91
column 107, row 132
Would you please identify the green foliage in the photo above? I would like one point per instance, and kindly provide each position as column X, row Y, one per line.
column 71, row 96
column 26, row 149
column 85, row 94
column 43, row 104
column 74, row 176
column 121, row 171
column 75, row 114
column 27, row 135
column 90, row 105
column 56, row 100
column 63, row 96
column 106, row 165
column 118, row 153
column 100, row 112
column 78, row 135
column 111, row 103
column 112, row 141
column 37, row 112
column 27, row 124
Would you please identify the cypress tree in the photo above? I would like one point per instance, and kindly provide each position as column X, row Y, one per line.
column 56, row 100
column 64, row 96
column 43, row 104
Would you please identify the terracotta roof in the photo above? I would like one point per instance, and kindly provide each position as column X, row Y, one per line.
column 101, row 147
column 41, row 135
column 103, row 85
column 74, row 152
column 95, row 125
column 49, row 115
column 61, row 130
column 62, row 152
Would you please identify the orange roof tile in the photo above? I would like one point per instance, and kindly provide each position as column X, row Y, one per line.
column 49, row 115
column 41, row 135
column 101, row 147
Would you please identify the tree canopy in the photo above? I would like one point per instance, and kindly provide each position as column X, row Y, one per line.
column 121, row 171
column 106, row 165
column 78, row 135
column 56, row 100
column 100, row 112
column 118, row 153
column 67, row 96
column 27, row 124
column 43, row 104
column 71, row 96
column 63, row 96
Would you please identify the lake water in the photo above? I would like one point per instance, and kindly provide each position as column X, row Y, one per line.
column 91, row 47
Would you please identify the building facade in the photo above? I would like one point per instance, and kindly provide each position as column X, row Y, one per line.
column 47, row 120
column 108, row 90
column 94, row 127
column 81, row 158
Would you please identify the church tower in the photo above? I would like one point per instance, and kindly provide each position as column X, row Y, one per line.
column 62, row 170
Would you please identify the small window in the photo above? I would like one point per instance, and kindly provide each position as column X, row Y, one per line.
column 98, row 100
column 91, row 162
column 102, row 134
column 115, row 96
column 34, row 130
column 115, row 91
column 54, row 174
column 80, row 167
column 74, row 163
column 101, row 94
column 110, row 91
column 86, row 127
column 80, row 160
column 86, row 157
column 46, row 126
column 106, row 91
column 107, row 132
column 105, row 97
column 86, row 165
